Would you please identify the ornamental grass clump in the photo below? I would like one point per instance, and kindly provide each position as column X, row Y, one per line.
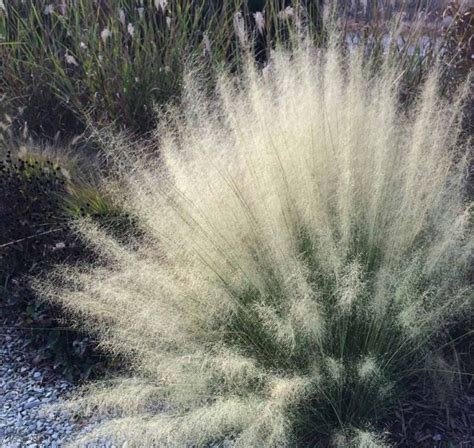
column 304, row 239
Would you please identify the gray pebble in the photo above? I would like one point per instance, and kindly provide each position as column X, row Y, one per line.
column 31, row 403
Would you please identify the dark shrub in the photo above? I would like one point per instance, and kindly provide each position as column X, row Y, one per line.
column 34, row 235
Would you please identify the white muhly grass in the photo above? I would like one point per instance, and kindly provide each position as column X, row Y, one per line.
column 240, row 30
column 368, row 369
column 207, row 45
column 335, row 369
column 367, row 439
column 301, row 237
column 350, row 285
column 286, row 13
column 359, row 439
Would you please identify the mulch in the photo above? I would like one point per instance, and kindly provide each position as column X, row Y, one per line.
column 422, row 421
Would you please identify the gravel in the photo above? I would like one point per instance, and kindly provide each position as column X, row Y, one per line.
column 25, row 395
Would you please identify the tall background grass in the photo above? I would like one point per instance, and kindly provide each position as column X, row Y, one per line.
column 113, row 60
column 64, row 64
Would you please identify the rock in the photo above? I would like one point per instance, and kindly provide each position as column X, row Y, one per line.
column 31, row 403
